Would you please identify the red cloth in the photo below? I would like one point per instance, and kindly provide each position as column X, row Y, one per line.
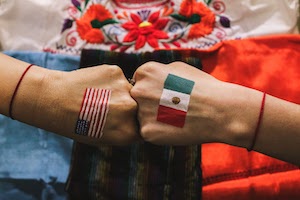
column 270, row 64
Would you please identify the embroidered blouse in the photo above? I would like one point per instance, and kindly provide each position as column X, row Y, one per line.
column 68, row 26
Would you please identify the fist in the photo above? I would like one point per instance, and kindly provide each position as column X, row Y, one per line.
column 120, row 126
column 175, row 104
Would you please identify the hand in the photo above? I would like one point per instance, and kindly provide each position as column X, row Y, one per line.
column 212, row 114
column 62, row 98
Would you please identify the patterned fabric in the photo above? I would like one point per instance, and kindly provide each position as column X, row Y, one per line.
column 140, row 171
column 125, row 25
column 134, row 26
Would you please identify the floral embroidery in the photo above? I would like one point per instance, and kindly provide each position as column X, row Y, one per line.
column 89, row 26
column 174, row 24
column 145, row 30
column 197, row 14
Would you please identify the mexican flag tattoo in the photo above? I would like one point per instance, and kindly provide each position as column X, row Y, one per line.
column 174, row 101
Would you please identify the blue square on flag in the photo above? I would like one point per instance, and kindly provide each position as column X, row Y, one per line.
column 82, row 127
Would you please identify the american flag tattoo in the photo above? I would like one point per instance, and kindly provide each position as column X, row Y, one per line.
column 93, row 112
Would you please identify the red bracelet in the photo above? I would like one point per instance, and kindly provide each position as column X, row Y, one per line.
column 16, row 89
column 258, row 122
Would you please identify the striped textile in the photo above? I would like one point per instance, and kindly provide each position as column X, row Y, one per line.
column 140, row 171
column 93, row 112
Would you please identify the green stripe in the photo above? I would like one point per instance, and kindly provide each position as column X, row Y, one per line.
column 179, row 84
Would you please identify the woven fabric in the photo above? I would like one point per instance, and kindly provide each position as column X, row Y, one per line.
column 140, row 171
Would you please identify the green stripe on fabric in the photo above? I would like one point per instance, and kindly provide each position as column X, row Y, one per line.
column 179, row 84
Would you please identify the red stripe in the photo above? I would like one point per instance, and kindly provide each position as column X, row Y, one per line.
column 94, row 112
column 94, row 109
column 171, row 116
column 104, row 112
column 82, row 103
column 99, row 105
column 90, row 108
column 100, row 112
column 86, row 103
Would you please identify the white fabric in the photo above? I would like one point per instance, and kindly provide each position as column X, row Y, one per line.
column 37, row 24
column 30, row 24
column 166, row 100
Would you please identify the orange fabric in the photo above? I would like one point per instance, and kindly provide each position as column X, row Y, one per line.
column 269, row 64
column 281, row 186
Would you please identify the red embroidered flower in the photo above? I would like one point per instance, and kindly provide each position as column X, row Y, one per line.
column 149, row 30
column 200, row 16
column 88, row 26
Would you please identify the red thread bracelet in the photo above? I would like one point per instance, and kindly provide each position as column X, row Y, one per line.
column 258, row 122
column 16, row 89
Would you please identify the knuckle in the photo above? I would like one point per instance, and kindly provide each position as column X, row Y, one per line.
column 137, row 92
column 149, row 66
column 114, row 70
column 146, row 133
column 177, row 63
column 131, row 104
column 146, row 69
column 128, row 105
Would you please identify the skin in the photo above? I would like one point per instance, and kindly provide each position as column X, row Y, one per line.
column 52, row 100
column 218, row 112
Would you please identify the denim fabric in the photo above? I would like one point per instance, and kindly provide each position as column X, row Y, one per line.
column 27, row 152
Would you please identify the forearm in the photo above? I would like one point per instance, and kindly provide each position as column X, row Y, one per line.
column 11, row 71
column 37, row 97
column 52, row 100
column 279, row 134
column 278, row 131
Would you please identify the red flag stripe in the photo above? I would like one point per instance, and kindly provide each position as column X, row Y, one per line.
column 94, row 110
column 88, row 105
column 94, row 113
column 86, row 97
column 93, row 128
column 101, row 107
column 104, row 113
column 92, row 104
column 171, row 116
column 82, row 103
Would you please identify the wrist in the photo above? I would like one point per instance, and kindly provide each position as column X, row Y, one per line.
column 243, row 107
column 36, row 102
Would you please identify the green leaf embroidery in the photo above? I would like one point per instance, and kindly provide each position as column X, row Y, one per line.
column 208, row 1
column 195, row 18
column 86, row 2
column 180, row 17
column 97, row 24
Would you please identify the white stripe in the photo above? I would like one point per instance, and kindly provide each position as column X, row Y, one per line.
column 103, row 100
column 94, row 113
column 103, row 114
column 106, row 112
column 104, row 103
column 95, row 110
column 88, row 105
column 92, row 106
column 166, row 100
column 84, row 103
column 100, row 107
